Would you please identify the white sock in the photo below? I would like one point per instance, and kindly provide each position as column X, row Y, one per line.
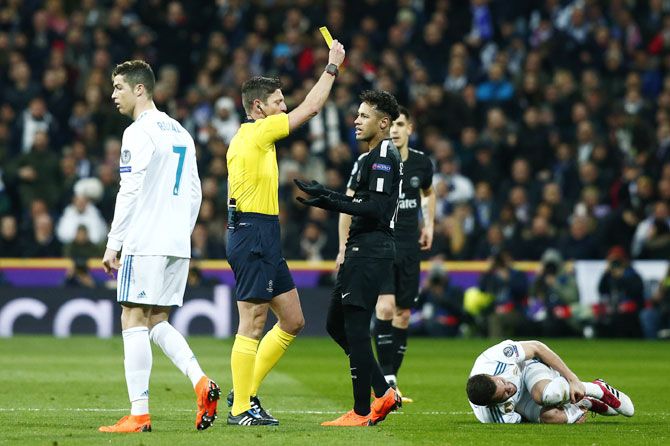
column 137, row 363
column 176, row 348
column 593, row 390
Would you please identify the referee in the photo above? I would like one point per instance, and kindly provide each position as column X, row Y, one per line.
column 369, row 255
column 262, row 278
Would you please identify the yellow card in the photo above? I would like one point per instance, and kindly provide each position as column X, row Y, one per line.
column 326, row 36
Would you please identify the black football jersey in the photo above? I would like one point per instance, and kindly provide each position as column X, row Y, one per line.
column 417, row 175
column 380, row 170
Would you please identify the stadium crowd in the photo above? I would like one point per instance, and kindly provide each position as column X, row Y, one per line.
column 548, row 122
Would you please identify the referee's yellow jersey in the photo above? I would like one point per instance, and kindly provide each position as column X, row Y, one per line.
column 253, row 175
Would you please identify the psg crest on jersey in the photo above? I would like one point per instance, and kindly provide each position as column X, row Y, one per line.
column 414, row 181
column 125, row 156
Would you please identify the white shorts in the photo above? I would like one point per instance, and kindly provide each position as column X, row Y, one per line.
column 152, row 280
column 531, row 375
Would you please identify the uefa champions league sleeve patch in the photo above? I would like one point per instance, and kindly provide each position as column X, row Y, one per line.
column 510, row 351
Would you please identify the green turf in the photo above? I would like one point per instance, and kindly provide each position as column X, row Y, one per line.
column 58, row 391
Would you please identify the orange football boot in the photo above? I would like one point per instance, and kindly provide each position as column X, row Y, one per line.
column 350, row 418
column 130, row 423
column 384, row 405
column 208, row 397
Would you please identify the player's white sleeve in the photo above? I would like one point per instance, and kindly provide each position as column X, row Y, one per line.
column 494, row 414
column 196, row 193
column 508, row 351
column 136, row 152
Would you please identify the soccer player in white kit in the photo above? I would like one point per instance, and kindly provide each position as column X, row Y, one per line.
column 156, row 209
column 514, row 382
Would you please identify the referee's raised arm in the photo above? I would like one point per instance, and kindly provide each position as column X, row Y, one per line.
column 318, row 95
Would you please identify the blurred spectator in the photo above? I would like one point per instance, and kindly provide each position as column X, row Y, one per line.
column 553, row 295
column 36, row 174
column 535, row 239
column 655, row 318
column 579, row 243
column 657, row 243
column 226, row 121
column 458, row 188
column 81, row 247
column 10, row 245
column 300, row 165
column 440, row 306
column 196, row 279
column 36, row 118
column 312, row 241
column 492, row 244
column 509, row 288
column 496, row 90
column 79, row 275
column 204, row 247
column 43, row 242
column 652, row 227
column 81, row 213
column 621, row 298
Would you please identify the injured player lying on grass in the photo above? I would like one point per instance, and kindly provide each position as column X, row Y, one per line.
column 514, row 382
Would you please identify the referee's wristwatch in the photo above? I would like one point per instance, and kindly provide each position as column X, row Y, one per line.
column 331, row 69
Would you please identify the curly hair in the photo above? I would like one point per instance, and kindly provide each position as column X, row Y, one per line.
column 382, row 101
column 258, row 87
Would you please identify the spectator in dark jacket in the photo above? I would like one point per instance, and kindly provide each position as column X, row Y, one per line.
column 509, row 288
column 621, row 297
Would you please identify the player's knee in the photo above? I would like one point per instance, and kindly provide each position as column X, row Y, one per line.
column 553, row 415
column 385, row 308
column 557, row 391
column 293, row 325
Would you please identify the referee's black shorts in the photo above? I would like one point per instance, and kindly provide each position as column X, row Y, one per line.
column 359, row 281
column 254, row 254
column 403, row 280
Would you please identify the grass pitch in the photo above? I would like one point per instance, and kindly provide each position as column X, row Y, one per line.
column 58, row 391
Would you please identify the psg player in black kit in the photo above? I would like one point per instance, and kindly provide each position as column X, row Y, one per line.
column 399, row 296
column 369, row 255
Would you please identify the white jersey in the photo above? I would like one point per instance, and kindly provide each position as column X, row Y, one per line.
column 159, row 198
column 507, row 360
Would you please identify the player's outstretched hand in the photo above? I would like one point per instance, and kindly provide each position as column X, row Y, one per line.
column 318, row 202
column 313, row 188
column 336, row 54
column 110, row 261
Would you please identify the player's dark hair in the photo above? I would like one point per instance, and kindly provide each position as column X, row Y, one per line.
column 402, row 110
column 480, row 389
column 258, row 87
column 137, row 72
column 382, row 101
